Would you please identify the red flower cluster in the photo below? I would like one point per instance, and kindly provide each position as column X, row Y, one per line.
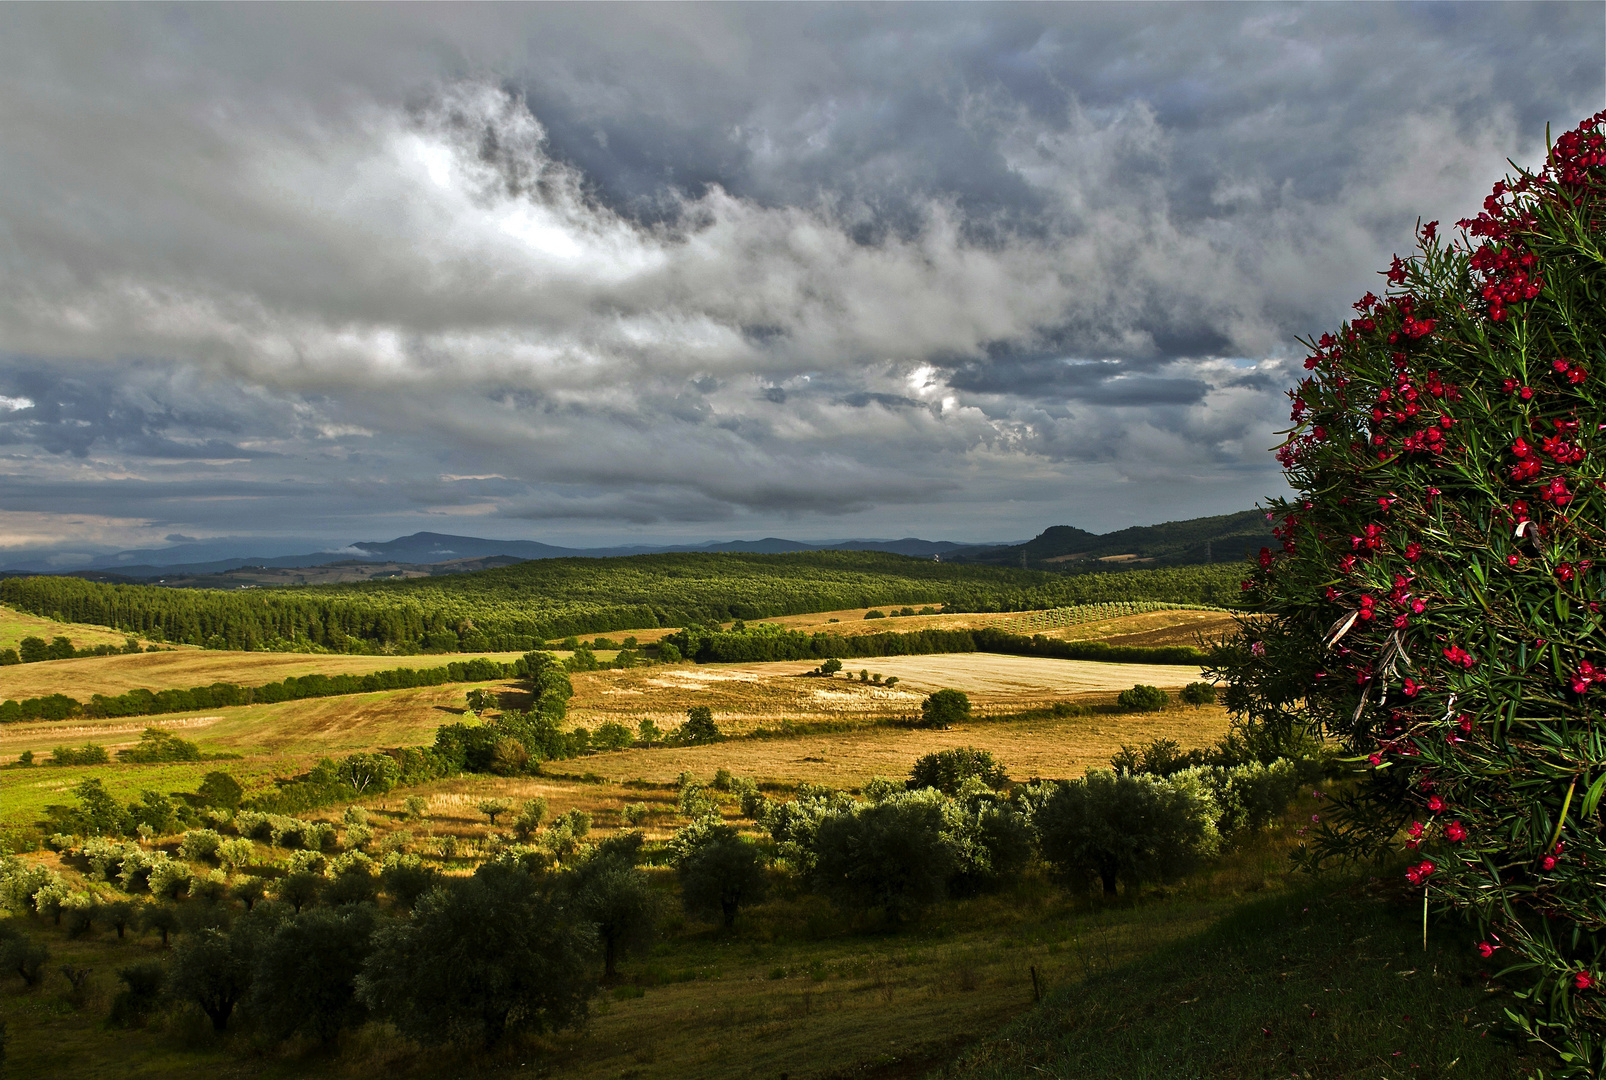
column 1419, row 873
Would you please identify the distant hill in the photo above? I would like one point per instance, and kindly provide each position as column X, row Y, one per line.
column 1061, row 548
column 1175, row 543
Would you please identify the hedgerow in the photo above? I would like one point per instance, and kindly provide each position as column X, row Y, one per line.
column 1436, row 602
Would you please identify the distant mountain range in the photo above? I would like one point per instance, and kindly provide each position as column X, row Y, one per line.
column 428, row 549
column 1063, row 548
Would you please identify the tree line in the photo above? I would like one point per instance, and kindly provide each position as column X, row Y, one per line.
column 519, row 607
column 768, row 641
column 141, row 702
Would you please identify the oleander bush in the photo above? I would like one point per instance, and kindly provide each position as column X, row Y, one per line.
column 1436, row 600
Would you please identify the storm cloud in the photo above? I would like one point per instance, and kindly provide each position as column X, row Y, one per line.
column 591, row 273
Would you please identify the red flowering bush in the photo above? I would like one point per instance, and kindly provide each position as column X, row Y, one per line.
column 1436, row 600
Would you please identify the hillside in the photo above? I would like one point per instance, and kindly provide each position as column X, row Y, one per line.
column 515, row 607
column 1223, row 539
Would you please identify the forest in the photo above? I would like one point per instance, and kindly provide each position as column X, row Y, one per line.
column 517, row 608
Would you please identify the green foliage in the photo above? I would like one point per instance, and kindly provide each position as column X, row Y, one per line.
column 699, row 728
column 531, row 813
column 769, row 641
column 1123, row 829
column 945, row 708
column 947, row 770
column 306, row 973
column 612, row 736
column 219, row 789
column 890, row 856
column 516, row 607
column 479, row 958
column 141, row 993
column 615, row 896
column 22, row 955
column 875, row 614
column 405, row 878
column 1198, row 693
column 1433, row 602
column 157, row 745
column 720, row 873
column 88, row 754
column 1143, row 698
column 1158, row 757
column 494, row 808
column 213, row 968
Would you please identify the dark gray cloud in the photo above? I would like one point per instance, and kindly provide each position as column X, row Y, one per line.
column 615, row 272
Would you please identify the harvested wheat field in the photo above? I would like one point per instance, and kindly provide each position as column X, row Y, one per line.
column 1152, row 628
column 744, row 696
column 185, row 668
column 1049, row 747
column 303, row 729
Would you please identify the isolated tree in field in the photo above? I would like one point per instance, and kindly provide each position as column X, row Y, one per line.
column 830, row 666
column 1198, row 693
column 481, row 957
column 891, row 856
column 495, row 808
column 699, row 728
column 1122, row 829
column 613, row 894
column 946, row 770
column 720, row 873
column 531, row 813
column 1433, row 598
column 945, row 708
column 305, row 977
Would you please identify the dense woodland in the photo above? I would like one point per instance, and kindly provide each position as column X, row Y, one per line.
column 519, row 607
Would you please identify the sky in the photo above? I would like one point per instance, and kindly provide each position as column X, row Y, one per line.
column 605, row 274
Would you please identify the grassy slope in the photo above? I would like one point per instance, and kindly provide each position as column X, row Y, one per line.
column 16, row 625
column 1322, row 984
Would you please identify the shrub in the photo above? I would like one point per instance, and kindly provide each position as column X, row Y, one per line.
column 405, row 878
column 531, row 813
column 157, row 745
column 1198, row 693
column 141, row 993
column 793, row 824
column 1157, row 757
column 200, row 845
column 357, row 837
column 299, row 889
column 221, row 790
column 1426, row 603
column 168, row 878
column 88, row 754
column 481, row 957
column 875, row 613
column 23, row 956
column 612, row 736
column 946, row 770
column 699, row 729
column 1143, row 698
column 416, row 807
column 1126, row 829
column 945, row 708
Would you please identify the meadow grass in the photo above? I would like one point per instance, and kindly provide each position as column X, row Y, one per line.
column 16, row 625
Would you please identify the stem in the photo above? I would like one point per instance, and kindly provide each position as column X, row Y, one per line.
column 1562, row 820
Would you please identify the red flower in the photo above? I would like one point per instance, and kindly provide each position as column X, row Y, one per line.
column 1583, row 980
column 1485, row 949
column 1455, row 832
column 1457, row 655
column 1419, row 873
column 1435, row 804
